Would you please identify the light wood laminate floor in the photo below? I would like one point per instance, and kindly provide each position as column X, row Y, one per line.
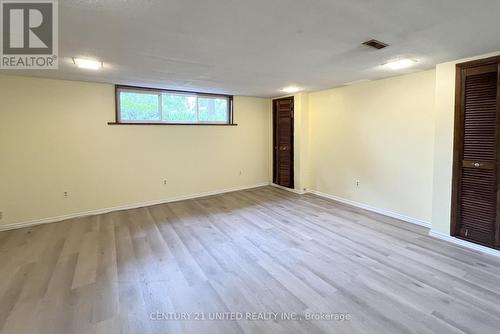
column 247, row 252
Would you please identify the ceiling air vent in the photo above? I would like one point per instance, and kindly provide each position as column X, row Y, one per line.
column 373, row 43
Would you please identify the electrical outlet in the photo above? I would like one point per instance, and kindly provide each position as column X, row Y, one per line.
column 165, row 182
column 65, row 194
column 357, row 184
column 240, row 173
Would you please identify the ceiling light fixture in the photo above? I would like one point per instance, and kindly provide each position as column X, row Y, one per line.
column 291, row 89
column 88, row 64
column 400, row 64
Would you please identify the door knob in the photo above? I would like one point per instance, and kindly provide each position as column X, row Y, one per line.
column 477, row 164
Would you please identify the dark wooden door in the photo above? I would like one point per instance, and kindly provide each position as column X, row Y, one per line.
column 476, row 211
column 283, row 142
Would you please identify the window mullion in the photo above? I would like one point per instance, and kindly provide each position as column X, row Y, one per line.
column 160, row 106
column 197, row 111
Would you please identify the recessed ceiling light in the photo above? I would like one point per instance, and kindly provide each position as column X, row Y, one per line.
column 400, row 64
column 88, row 64
column 291, row 89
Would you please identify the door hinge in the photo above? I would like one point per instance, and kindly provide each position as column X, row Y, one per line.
column 466, row 232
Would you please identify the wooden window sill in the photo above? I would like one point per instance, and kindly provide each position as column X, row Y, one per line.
column 193, row 124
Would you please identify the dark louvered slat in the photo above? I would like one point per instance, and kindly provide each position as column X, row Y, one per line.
column 478, row 196
column 480, row 116
column 283, row 142
column 478, row 204
column 475, row 205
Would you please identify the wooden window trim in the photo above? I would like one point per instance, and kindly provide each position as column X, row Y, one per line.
column 117, row 121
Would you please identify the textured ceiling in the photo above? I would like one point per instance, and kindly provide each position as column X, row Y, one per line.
column 257, row 47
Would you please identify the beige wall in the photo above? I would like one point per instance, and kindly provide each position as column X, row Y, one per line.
column 301, row 142
column 54, row 138
column 380, row 133
column 395, row 136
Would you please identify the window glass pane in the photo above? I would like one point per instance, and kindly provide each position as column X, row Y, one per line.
column 143, row 105
column 213, row 109
column 179, row 108
column 139, row 107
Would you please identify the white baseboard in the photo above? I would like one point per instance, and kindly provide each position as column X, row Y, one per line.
column 374, row 209
column 296, row 191
column 432, row 233
column 124, row 207
column 463, row 243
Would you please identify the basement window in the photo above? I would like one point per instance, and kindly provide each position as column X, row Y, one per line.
column 148, row 106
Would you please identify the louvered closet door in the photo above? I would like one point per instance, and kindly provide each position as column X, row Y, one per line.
column 283, row 142
column 478, row 198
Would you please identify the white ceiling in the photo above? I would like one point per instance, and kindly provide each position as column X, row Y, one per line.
column 257, row 47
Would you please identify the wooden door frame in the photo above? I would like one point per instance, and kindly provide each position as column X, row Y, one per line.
column 458, row 140
column 275, row 156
